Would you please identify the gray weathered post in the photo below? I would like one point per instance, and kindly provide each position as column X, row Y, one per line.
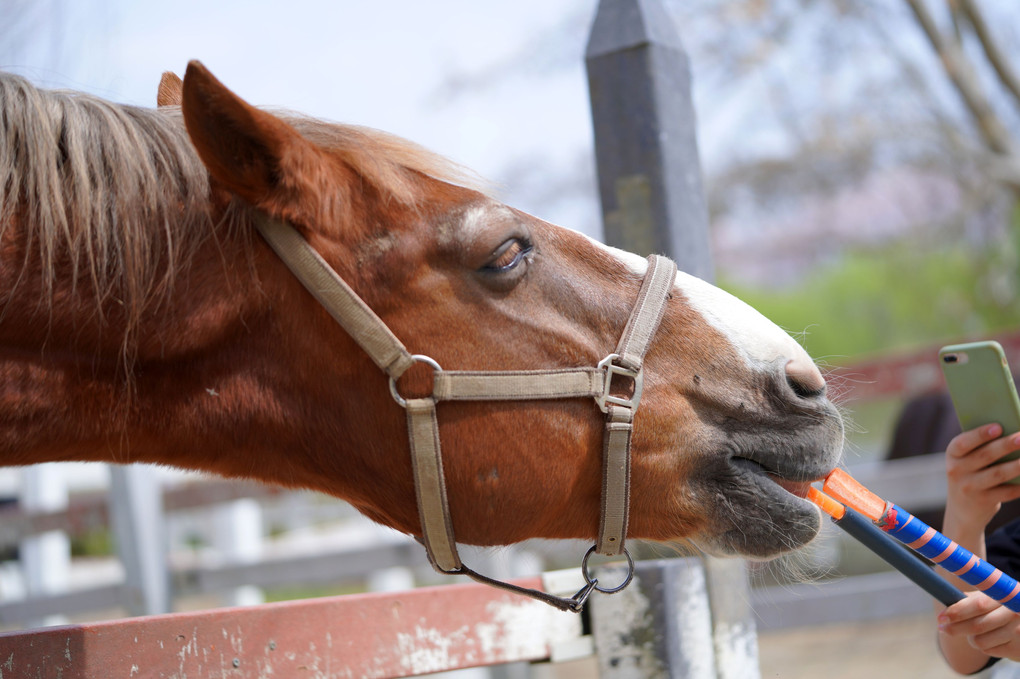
column 645, row 138
column 136, row 515
column 653, row 202
column 659, row 627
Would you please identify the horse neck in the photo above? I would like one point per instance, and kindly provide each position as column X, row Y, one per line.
column 217, row 375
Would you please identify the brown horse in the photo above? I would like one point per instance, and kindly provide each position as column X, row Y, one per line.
column 142, row 319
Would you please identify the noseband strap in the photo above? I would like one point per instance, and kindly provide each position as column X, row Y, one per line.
column 597, row 382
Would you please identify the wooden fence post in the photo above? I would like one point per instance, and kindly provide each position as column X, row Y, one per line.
column 136, row 516
column 237, row 535
column 659, row 626
column 645, row 135
column 46, row 557
column 734, row 631
column 653, row 202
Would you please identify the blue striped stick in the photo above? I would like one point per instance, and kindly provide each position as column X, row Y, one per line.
column 925, row 540
column 958, row 560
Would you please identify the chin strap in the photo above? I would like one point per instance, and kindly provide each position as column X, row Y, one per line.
column 597, row 382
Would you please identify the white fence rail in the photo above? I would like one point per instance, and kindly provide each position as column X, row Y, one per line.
column 915, row 483
column 145, row 576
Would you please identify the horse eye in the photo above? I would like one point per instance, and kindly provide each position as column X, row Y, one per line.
column 508, row 255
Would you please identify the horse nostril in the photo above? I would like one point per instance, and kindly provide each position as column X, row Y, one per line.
column 804, row 378
column 802, row 390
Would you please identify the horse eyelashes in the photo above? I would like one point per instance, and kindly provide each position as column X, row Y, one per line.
column 509, row 255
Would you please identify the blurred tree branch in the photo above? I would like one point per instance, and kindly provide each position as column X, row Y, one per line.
column 996, row 57
column 963, row 75
column 855, row 95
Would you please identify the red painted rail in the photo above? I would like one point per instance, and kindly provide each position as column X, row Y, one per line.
column 905, row 374
column 366, row 635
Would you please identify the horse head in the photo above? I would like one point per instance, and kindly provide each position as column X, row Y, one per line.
column 734, row 422
column 231, row 366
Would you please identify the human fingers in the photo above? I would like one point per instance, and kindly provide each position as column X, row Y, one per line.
column 991, row 479
column 962, row 445
column 989, row 627
column 994, row 451
column 965, row 442
column 1002, row 641
column 996, row 633
column 959, row 461
column 974, row 497
column 961, row 616
column 1007, row 492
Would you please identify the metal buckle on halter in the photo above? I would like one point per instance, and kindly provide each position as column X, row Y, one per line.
column 613, row 369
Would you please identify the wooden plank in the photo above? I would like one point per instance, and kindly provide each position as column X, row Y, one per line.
column 914, row 483
column 904, row 374
column 307, row 569
column 88, row 511
column 369, row 635
column 83, row 514
column 213, row 491
column 66, row 603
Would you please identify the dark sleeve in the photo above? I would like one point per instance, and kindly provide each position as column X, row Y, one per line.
column 1003, row 548
column 926, row 425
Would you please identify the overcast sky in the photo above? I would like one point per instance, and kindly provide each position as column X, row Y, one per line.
column 499, row 87
column 492, row 85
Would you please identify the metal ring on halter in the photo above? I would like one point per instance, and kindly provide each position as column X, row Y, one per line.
column 594, row 581
column 420, row 358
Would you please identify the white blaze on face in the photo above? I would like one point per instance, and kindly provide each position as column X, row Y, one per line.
column 755, row 337
column 477, row 220
column 474, row 221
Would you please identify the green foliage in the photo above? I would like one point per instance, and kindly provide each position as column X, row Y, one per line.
column 901, row 296
column 309, row 592
column 97, row 542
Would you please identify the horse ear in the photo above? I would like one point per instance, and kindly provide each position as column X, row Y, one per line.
column 249, row 152
column 170, row 90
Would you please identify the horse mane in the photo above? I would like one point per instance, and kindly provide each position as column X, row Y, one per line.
column 119, row 192
column 89, row 180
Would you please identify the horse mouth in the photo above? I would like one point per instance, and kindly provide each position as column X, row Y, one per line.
column 796, row 487
column 769, row 514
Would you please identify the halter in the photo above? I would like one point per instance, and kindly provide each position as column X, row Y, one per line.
column 376, row 339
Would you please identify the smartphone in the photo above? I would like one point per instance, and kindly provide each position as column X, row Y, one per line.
column 981, row 386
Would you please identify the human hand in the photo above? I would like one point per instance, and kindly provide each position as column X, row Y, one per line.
column 976, row 486
column 987, row 625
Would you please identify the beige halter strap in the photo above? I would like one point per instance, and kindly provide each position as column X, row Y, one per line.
column 376, row 339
